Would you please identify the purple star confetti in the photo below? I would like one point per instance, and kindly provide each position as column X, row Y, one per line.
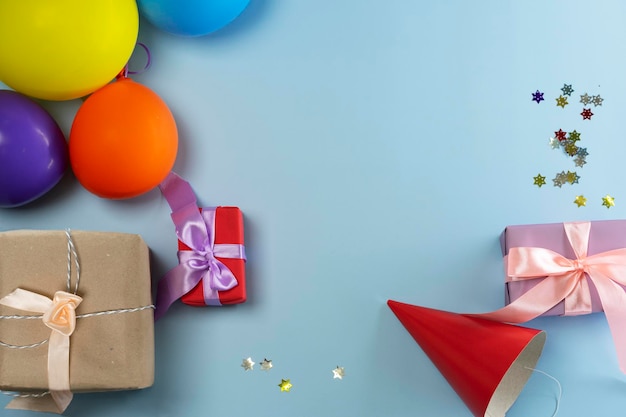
column 538, row 96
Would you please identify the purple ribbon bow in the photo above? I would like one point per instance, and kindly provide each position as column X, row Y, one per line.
column 196, row 230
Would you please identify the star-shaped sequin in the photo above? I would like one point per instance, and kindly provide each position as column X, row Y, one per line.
column 554, row 143
column 338, row 372
column 559, row 179
column 585, row 99
column 579, row 161
column 582, row 152
column 608, row 201
column 539, row 180
column 580, row 200
column 570, row 148
column 538, row 96
column 567, row 89
column 266, row 365
column 572, row 177
column 574, row 136
column 561, row 101
column 597, row 100
column 560, row 135
column 586, row 114
column 247, row 364
column 285, row 385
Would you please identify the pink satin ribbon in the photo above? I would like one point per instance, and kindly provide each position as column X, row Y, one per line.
column 566, row 279
column 59, row 314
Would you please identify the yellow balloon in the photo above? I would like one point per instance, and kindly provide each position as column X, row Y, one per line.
column 65, row 49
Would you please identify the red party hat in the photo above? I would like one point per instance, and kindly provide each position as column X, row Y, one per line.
column 486, row 362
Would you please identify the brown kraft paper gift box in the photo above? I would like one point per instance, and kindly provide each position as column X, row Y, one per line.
column 107, row 352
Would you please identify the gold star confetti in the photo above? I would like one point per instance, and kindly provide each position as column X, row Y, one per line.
column 285, row 385
column 608, row 201
column 266, row 365
column 572, row 177
column 580, row 200
column 539, row 180
column 247, row 364
column 561, row 101
column 570, row 148
column 339, row 372
column 574, row 136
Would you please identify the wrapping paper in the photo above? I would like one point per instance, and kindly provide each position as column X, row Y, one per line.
column 107, row 352
column 228, row 230
column 604, row 236
column 211, row 268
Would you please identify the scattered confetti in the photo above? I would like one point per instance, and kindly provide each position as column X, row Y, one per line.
column 554, row 143
column 570, row 148
column 569, row 142
column 266, row 365
column 338, row 373
column 580, row 200
column 560, row 135
column 538, row 96
column 586, row 114
column 285, row 385
column 579, row 161
column 567, row 90
column 585, row 99
column 572, row 177
column 248, row 364
column 597, row 100
column 539, row 180
column 559, row 179
column 608, row 201
column 574, row 136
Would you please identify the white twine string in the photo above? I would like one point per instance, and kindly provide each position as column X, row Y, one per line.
column 558, row 399
column 71, row 253
column 71, row 250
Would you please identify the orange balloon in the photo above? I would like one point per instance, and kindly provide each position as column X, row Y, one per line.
column 123, row 141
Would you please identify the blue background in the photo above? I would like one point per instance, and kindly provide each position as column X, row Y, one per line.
column 377, row 150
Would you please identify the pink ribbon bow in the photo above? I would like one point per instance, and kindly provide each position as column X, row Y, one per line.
column 566, row 279
column 59, row 314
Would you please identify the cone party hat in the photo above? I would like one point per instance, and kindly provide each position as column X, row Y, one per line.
column 486, row 362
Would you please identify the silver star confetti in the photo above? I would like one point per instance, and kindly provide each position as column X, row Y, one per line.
column 597, row 100
column 579, row 161
column 585, row 99
column 554, row 143
column 247, row 364
column 338, row 373
column 266, row 365
column 560, row 179
column 582, row 152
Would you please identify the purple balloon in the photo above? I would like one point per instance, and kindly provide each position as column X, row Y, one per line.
column 33, row 150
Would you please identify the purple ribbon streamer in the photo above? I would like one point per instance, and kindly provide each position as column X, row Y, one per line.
column 196, row 230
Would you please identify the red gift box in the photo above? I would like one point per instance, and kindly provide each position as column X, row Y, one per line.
column 211, row 253
column 228, row 229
